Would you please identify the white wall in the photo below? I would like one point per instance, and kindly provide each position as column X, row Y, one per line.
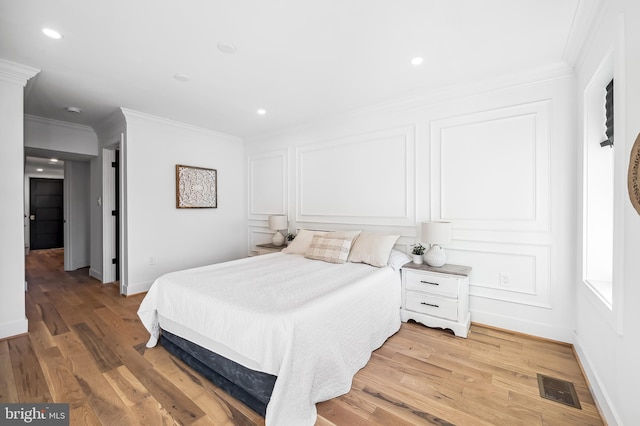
column 95, row 217
column 157, row 232
column 498, row 163
column 76, row 186
column 608, row 342
column 13, row 78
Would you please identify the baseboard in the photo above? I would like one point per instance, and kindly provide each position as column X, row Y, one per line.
column 14, row 328
column 131, row 289
column 600, row 395
column 560, row 334
column 95, row 274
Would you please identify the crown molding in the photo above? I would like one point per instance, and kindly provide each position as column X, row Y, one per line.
column 132, row 114
column 422, row 98
column 58, row 123
column 15, row 73
column 587, row 17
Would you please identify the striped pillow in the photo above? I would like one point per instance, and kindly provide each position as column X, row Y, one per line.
column 332, row 250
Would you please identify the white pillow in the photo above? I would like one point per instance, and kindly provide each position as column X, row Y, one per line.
column 373, row 249
column 397, row 259
column 332, row 250
column 301, row 242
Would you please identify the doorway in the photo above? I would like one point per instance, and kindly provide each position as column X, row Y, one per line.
column 116, row 212
column 113, row 213
column 46, row 216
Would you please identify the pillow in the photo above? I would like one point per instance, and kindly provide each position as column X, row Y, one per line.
column 332, row 250
column 301, row 242
column 350, row 235
column 397, row 259
column 373, row 249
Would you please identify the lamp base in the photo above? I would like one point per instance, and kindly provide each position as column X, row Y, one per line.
column 435, row 256
column 277, row 239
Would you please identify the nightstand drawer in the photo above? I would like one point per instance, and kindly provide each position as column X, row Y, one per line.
column 432, row 283
column 435, row 306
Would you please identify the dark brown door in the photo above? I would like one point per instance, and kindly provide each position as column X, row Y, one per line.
column 45, row 213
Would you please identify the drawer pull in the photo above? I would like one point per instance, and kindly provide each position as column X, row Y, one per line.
column 429, row 304
column 429, row 282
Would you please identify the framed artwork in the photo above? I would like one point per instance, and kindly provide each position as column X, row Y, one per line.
column 196, row 187
column 634, row 175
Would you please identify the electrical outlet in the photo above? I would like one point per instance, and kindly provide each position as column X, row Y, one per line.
column 505, row 279
column 152, row 260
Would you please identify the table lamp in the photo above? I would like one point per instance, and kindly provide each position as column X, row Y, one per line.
column 278, row 223
column 436, row 233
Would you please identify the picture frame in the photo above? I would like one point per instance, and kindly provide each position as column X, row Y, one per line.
column 633, row 178
column 196, row 187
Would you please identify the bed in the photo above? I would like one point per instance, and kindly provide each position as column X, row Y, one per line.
column 280, row 332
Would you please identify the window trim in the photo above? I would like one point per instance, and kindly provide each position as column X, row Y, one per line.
column 612, row 66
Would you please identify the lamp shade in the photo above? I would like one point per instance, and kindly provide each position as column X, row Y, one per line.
column 436, row 232
column 278, row 222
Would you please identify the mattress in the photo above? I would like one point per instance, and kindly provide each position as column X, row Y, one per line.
column 310, row 323
column 253, row 388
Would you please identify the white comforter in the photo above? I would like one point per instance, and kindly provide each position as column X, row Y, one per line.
column 312, row 324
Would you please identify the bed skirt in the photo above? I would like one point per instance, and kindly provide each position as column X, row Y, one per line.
column 251, row 387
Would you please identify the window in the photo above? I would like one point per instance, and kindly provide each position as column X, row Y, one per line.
column 599, row 188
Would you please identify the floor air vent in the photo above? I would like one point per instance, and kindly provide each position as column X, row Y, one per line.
column 558, row 390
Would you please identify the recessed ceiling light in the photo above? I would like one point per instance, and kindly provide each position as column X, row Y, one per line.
column 227, row 48
column 74, row 110
column 39, row 170
column 182, row 77
column 51, row 33
column 53, row 160
column 262, row 111
column 417, row 60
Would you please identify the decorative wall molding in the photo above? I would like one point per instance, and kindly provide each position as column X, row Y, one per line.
column 491, row 170
column 267, row 184
column 526, row 268
column 537, row 106
column 377, row 191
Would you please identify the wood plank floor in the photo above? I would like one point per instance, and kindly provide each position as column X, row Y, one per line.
column 86, row 347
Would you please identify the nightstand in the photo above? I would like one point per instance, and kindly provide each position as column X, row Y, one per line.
column 437, row 297
column 269, row 248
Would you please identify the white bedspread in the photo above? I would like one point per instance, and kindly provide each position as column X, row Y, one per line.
column 312, row 324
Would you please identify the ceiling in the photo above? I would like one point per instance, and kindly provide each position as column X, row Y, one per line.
column 300, row 60
column 36, row 165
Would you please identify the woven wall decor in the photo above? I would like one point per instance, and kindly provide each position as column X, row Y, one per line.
column 634, row 175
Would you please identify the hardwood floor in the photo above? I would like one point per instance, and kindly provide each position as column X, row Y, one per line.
column 86, row 347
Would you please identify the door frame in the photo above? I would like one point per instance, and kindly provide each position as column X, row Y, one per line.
column 108, row 221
